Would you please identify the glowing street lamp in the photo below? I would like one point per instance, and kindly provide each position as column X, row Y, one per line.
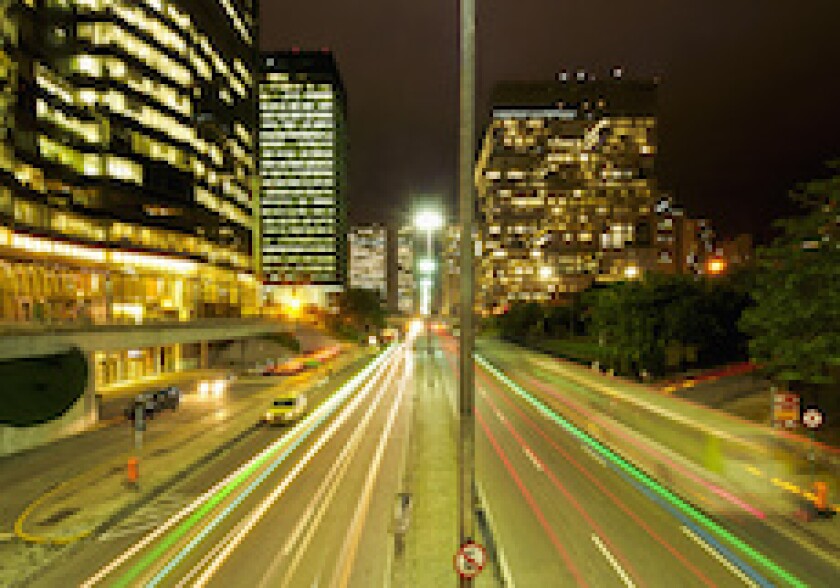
column 715, row 266
column 428, row 220
column 631, row 271
column 427, row 266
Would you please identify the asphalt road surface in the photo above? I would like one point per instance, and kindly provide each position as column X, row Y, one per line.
column 305, row 505
column 567, row 514
column 312, row 504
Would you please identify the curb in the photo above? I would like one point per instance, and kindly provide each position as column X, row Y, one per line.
column 500, row 562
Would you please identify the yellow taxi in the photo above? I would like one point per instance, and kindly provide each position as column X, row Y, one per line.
column 285, row 409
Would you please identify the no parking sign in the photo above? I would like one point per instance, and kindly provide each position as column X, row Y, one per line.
column 470, row 560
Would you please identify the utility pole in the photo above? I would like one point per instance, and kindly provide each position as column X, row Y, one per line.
column 466, row 447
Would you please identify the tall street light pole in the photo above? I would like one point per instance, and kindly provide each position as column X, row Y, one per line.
column 466, row 448
column 430, row 291
column 428, row 220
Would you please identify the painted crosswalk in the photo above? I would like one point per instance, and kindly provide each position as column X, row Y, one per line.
column 146, row 517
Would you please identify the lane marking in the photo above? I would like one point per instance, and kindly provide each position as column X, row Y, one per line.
column 532, row 503
column 634, row 473
column 585, row 471
column 533, row 458
column 263, row 507
column 355, row 440
column 613, row 562
column 722, row 560
column 568, row 495
column 647, row 448
column 239, row 529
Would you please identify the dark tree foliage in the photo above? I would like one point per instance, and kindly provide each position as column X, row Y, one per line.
column 794, row 326
column 36, row 390
column 521, row 319
column 360, row 313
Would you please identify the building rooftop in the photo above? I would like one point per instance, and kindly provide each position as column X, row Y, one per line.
column 618, row 97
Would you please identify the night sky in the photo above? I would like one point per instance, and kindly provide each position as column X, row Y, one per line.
column 749, row 95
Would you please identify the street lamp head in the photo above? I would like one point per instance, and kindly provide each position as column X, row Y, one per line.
column 426, row 266
column 428, row 220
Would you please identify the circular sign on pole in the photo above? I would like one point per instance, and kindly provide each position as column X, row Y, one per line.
column 813, row 417
column 470, row 560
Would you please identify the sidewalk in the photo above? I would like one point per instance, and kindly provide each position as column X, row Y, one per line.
column 431, row 479
column 93, row 499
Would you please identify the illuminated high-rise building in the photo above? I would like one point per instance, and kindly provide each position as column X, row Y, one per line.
column 368, row 250
column 405, row 270
column 127, row 158
column 566, row 188
column 302, row 174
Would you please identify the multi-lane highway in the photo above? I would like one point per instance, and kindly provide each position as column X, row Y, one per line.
column 309, row 505
column 569, row 510
column 313, row 504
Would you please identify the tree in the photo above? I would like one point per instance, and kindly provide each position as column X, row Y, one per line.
column 642, row 325
column 520, row 320
column 362, row 307
column 794, row 326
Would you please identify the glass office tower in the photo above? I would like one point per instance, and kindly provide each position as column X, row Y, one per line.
column 127, row 159
column 566, row 188
column 303, row 179
column 368, row 251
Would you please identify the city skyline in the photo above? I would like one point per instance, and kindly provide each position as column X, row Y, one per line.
column 735, row 84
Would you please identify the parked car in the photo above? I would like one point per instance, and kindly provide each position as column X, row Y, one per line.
column 289, row 368
column 169, row 397
column 147, row 401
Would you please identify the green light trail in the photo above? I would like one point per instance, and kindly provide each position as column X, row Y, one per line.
column 331, row 404
column 188, row 524
column 640, row 476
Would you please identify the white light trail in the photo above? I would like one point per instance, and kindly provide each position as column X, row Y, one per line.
column 311, row 421
column 230, row 543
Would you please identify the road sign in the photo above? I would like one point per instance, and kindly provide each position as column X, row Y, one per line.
column 786, row 409
column 812, row 417
column 470, row 560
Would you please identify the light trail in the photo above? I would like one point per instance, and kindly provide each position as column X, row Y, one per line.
column 658, row 410
column 346, row 411
column 609, row 494
column 606, row 423
column 644, row 479
column 354, row 533
column 230, row 543
column 532, row 504
column 235, row 478
column 540, row 465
